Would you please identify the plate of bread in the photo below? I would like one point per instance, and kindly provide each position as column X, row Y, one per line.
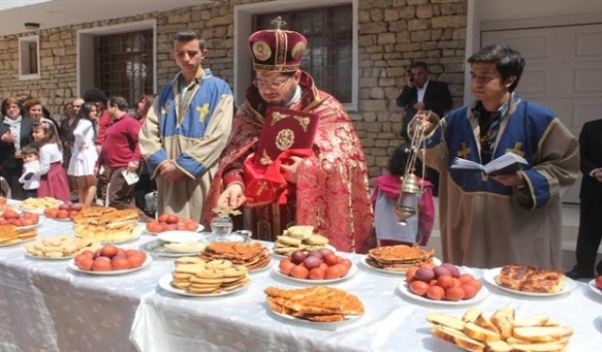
column 297, row 238
column 502, row 331
column 399, row 259
column 38, row 205
column 529, row 280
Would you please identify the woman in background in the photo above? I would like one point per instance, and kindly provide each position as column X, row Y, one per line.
column 84, row 155
column 15, row 132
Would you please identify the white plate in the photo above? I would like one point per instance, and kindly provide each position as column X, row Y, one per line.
column 18, row 243
column 350, row 319
column 199, row 229
column 165, row 283
column 180, row 236
column 350, row 274
column 592, row 286
column 281, row 256
column 61, row 220
column 47, row 258
column 364, row 261
column 491, row 274
column 405, row 290
column 33, row 211
column 74, row 267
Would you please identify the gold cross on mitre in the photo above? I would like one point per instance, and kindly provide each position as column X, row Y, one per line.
column 203, row 111
column 278, row 23
column 464, row 152
column 516, row 150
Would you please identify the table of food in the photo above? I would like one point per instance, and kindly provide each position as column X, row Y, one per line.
column 83, row 279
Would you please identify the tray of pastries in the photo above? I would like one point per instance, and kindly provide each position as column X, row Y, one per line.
column 501, row 331
column 253, row 256
column 400, row 258
column 315, row 304
column 11, row 235
column 193, row 276
column 529, row 280
column 107, row 225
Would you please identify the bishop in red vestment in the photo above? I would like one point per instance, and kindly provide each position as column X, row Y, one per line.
column 326, row 185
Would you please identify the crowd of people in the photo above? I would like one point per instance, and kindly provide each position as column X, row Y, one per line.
column 202, row 153
column 68, row 160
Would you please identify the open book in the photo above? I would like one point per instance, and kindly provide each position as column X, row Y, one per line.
column 505, row 164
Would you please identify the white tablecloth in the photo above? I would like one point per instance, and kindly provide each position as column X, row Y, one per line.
column 47, row 307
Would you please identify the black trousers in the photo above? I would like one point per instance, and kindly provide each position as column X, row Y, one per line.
column 590, row 234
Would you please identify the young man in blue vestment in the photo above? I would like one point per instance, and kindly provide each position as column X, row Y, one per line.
column 491, row 221
column 186, row 129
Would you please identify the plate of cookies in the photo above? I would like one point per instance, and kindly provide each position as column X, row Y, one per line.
column 297, row 238
column 194, row 277
column 59, row 247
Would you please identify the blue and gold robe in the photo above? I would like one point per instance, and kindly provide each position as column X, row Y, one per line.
column 486, row 224
column 193, row 140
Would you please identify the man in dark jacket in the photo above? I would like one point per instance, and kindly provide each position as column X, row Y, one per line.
column 420, row 93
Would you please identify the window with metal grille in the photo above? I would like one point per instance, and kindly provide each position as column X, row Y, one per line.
column 124, row 64
column 329, row 33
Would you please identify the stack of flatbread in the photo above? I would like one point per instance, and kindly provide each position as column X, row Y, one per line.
column 316, row 303
column 194, row 275
column 11, row 234
column 106, row 224
column 297, row 238
column 399, row 258
column 253, row 256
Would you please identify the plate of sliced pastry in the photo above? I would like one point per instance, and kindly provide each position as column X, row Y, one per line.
column 319, row 306
column 529, row 280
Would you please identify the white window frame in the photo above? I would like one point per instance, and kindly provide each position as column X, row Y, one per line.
column 24, row 55
column 85, row 50
column 243, row 20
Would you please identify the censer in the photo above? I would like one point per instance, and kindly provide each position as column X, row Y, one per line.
column 411, row 190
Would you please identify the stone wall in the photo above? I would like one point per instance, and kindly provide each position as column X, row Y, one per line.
column 392, row 33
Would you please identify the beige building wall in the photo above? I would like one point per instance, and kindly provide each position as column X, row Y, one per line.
column 392, row 33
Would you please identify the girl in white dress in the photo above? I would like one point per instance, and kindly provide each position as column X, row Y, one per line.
column 84, row 155
column 53, row 180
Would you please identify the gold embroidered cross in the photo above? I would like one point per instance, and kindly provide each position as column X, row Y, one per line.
column 464, row 152
column 516, row 150
column 278, row 23
column 263, row 186
column 203, row 111
column 164, row 110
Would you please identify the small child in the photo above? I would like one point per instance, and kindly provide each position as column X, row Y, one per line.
column 53, row 179
column 386, row 194
column 30, row 178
